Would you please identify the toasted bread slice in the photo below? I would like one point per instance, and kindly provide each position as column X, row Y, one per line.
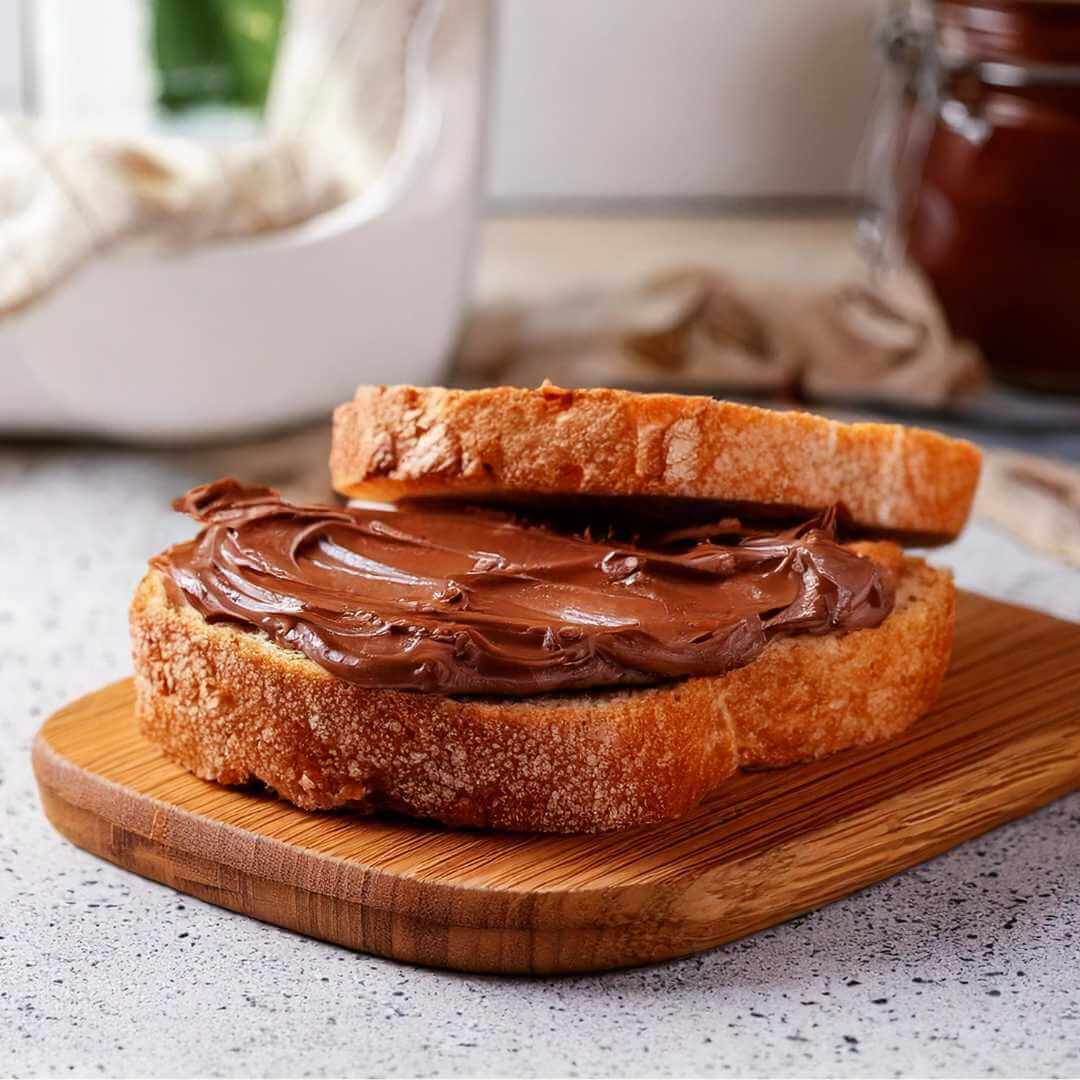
column 397, row 442
column 233, row 706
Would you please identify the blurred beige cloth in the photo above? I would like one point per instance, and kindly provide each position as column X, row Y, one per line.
column 1035, row 498
column 700, row 329
column 335, row 115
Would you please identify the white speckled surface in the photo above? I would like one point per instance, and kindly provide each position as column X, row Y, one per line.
column 964, row 966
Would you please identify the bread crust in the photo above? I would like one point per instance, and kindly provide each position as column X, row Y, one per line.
column 395, row 442
column 232, row 706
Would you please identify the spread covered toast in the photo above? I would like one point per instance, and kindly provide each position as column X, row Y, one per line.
column 525, row 446
column 711, row 603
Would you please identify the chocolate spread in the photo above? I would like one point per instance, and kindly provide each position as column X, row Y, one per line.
column 465, row 601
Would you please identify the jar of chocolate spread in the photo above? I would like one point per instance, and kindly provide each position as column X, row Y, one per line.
column 983, row 175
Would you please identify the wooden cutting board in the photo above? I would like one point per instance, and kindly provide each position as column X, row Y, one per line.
column 1003, row 740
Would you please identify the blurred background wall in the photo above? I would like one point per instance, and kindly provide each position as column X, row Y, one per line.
column 637, row 99
column 608, row 100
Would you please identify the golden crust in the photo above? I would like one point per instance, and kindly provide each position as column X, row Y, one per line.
column 232, row 706
column 395, row 442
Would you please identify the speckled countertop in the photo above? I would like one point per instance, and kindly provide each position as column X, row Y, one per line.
column 964, row 966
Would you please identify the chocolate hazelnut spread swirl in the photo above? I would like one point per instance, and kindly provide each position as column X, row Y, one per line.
column 460, row 601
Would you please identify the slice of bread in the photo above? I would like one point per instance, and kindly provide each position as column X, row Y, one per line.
column 233, row 706
column 506, row 444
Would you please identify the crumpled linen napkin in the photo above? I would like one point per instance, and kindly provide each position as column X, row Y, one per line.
column 1035, row 498
column 343, row 82
column 702, row 329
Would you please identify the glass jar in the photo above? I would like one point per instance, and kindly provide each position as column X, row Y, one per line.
column 985, row 176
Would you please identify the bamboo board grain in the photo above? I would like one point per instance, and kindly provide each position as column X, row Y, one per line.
column 1003, row 739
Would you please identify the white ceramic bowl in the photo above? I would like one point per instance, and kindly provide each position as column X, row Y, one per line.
column 242, row 336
